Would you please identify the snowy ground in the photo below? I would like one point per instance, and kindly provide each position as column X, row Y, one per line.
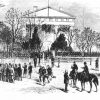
column 31, row 89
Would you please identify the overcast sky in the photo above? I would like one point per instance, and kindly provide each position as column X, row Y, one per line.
column 94, row 5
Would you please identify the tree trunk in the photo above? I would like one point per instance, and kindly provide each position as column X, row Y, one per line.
column 90, row 57
column 7, row 51
column 12, row 42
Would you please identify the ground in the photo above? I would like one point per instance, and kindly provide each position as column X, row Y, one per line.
column 31, row 89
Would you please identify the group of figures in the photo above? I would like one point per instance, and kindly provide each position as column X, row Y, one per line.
column 45, row 73
column 11, row 72
column 83, row 77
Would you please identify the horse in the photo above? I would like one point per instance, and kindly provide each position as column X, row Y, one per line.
column 73, row 78
column 92, row 78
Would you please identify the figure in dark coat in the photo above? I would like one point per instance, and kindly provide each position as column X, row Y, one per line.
column 52, row 61
column 74, row 67
column 66, row 80
column 19, row 70
column 35, row 61
column 86, row 71
column 30, row 69
column 49, row 70
column 25, row 70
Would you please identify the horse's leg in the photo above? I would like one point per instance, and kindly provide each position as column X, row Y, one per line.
column 84, row 86
column 90, row 86
column 73, row 83
column 48, row 78
column 43, row 79
column 96, row 86
column 40, row 78
column 81, row 86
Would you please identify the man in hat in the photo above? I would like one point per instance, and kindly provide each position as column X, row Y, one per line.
column 74, row 68
column 30, row 69
column 66, row 80
column 86, row 70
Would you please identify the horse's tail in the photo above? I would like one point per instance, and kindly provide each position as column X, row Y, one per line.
column 96, row 80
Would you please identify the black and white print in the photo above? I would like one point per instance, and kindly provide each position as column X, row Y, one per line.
column 49, row 49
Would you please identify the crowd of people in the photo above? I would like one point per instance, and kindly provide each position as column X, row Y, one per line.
column 11, row 72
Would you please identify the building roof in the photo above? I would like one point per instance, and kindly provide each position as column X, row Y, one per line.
column 51, row 13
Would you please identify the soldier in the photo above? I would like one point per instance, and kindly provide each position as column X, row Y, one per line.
column 25, row 70
column 86, row 70
column 19, row 69
column 96, row 63
column 30, row 69
column 66, row 80
column 74, row 67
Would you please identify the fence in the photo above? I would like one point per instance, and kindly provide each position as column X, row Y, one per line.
column 77, row 54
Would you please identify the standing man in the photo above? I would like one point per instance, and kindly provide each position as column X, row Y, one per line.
column 35, row 61
column 25, row 70
column 30, row 69
column 66, row 80
column 52, row 61
column 58, row 62
column 97, row 63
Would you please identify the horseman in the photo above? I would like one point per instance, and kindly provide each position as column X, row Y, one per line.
column 74, row 68
column 86, row 70
column 73, row 73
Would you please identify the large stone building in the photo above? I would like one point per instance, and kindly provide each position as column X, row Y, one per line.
column 49, row 16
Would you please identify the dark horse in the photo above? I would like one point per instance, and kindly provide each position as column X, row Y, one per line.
column 92, row 78
column 73, row 78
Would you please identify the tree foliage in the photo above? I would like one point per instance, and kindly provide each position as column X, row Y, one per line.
column 60, row 44
column 34, row 43
column 70, row 33
column 6, row 35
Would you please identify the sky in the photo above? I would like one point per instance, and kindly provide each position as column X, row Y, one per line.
column 93, row 5
column 23, row 5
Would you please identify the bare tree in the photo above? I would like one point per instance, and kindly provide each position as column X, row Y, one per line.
column 16, row 23
column 81, row 43
column 86, row 40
